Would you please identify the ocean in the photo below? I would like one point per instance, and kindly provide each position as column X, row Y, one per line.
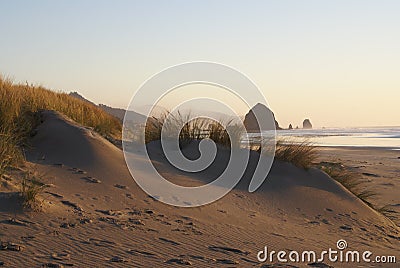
column 377, row 137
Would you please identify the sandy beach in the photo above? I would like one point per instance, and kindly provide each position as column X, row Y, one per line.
column 94, row 215
column 379, row 168
column 204, row 134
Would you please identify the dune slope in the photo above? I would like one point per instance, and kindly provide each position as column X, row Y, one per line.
column 95, row 215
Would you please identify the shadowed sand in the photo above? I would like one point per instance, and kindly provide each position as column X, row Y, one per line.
column 96, row 216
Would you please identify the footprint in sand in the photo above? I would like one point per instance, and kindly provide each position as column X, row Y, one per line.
column 101, row 243
column 169, row 241
column 149, row 211
column 60, row 256
column 14, row 221
column 163, row 222
column 178, row 261
column 67, row 225
column 370, row 174
column 91, row 179
column 28, row 238
column 228, row 250
column 110, row 212
column 85, row 221
column 72, row 204
column 124, row 187
column 77, row 171
column 142, row 253
column 52, row 265
column 136, row 221
column 226, row 261
column 187, row 218
column 10, row 246
column 240, row 196
column 118, row 259
column 346, row 228
column 54, row 194
column 325, row 221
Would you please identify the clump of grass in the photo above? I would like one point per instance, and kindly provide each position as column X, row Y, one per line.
column 388, row 212
column 9, row 152
column 192, row 129
column 351, row 181
column 300, row 153
column 31, row 187
column 228, row 137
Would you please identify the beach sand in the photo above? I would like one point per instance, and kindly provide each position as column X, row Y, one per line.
column 94, row 215
column 379, row 168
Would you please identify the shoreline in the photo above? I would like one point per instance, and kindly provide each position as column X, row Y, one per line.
column 360, row 147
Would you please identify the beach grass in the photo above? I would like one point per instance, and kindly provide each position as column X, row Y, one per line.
column 352, row 181
column 20, row 105
column 300, row 153
column 192, row 128
column 30, row 188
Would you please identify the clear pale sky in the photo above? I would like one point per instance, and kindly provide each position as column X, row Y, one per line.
column 335, row 62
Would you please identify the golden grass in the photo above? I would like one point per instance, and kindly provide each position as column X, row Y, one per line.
column 19, row 114
column 31, row 187
column 17, row 101
column 300, row 153
column 194, row 129
column 352, row 181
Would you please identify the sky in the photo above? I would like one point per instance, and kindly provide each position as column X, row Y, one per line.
column 335, row 62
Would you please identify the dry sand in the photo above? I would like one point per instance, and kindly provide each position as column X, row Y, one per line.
column 379, row 168
column 94, row 215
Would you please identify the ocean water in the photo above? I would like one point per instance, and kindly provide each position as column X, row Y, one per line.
column 380, row 137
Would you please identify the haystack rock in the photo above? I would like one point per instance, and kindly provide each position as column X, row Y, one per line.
column 265, row 116
column 307, row 124
column 290, row 126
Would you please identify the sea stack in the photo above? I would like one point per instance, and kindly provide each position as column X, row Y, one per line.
column 307, row 124
column 290, row 127
column 265, row 116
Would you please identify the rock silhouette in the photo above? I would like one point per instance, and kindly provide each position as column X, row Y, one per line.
column 265, row 119
column 307, row 124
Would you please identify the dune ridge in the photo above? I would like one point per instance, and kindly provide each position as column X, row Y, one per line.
column 96, row 216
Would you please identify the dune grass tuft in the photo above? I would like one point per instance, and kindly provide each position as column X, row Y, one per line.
column 388, row 212
column 31, row 187
column 352, row 181
column 192, row 129
column 300, row 153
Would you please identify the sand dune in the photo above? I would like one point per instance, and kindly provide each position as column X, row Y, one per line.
column 96, row 216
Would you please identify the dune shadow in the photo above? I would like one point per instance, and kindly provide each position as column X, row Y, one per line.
column 281, row 177
column 10, row 202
